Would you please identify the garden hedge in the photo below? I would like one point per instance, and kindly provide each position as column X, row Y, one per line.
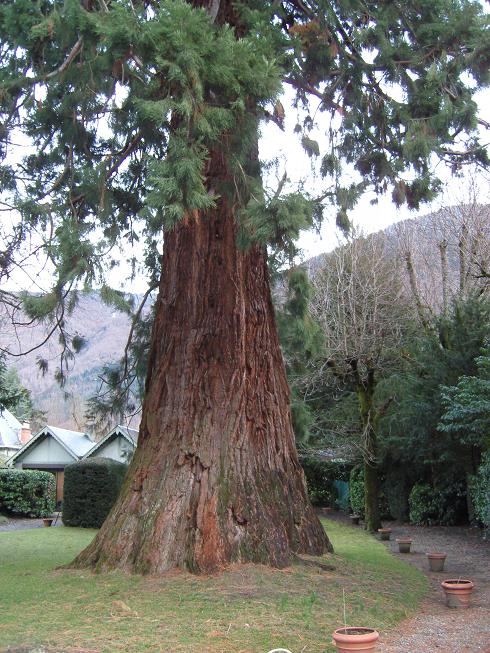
column 321, row 475
column 27, row 492
column 444, row 505
column 480, row 492
column 356, row 494
column 90, row 490
column 356, row 490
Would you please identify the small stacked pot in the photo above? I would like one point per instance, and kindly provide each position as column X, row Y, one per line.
column 436, row 561
column 404, row 544
column 384, row 533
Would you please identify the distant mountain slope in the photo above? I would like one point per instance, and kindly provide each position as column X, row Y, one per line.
column 105, row 330
column 464, row 234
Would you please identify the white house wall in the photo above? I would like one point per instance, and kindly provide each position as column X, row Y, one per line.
column 47, row 452
column 114, row 449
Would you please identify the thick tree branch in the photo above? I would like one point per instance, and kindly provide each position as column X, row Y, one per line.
column 71, row 56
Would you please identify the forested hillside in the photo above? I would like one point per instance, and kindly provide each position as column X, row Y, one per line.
column 105, row 331
column 422, row 243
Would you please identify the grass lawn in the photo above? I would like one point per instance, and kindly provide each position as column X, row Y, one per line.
column 247, row 609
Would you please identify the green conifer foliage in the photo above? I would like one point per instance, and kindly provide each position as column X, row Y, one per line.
column 123, row 100
column 139, row 119
column 437, row 426
column 467, row 405
column 423, row 427
column 302, row 344
column 13, row 395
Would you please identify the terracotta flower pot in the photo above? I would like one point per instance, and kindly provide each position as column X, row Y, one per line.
column 355, row 519
column 384, row 533
column 458, row 592
column 47, row 521
column 355, row 639
column 436, row 561
column 404, row 544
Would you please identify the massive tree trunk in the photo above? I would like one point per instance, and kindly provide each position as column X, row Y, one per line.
column 215, row 477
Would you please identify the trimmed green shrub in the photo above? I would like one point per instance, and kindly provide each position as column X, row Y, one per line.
column 422, row 504
column 320, row 477
column 356, row 494
column 480, row 492
column 356, row 490
column 27, row 492
column 445, row 505
column 90, row 490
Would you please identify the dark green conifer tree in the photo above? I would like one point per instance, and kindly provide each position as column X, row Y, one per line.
column 435, row 424
column 467, row 404
column 302, row 344
column 13, row 395
column 144, row 116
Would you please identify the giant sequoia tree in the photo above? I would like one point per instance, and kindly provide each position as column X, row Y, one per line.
column 143, row 117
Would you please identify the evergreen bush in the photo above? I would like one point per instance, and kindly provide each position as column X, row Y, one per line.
column 356, row 494
column 356, row 490
column 423, row 506
column 320, row 477
column 444, row 505
column 90, row 490
column 480, row 492
column 27, row 492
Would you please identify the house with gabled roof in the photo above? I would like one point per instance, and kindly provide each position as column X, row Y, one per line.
column 13, row 434
column 51, row 449
column 119, row 444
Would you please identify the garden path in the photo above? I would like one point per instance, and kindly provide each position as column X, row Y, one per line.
column 20, row 524
column 436, row 627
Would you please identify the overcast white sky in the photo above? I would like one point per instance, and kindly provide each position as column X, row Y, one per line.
column 370, row 218
column 285, row 146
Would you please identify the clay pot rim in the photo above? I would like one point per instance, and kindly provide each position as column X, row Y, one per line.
column 404, row 540
column 437, row 556
column 457, row 583
column 384, row 530
column 365, row 634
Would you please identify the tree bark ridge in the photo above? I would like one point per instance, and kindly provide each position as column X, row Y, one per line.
column 215, row 477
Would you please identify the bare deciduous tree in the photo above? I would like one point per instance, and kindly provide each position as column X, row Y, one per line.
column 361, row 305
column 447, row 254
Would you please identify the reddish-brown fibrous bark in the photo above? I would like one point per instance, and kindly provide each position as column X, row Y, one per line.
column 215, row 478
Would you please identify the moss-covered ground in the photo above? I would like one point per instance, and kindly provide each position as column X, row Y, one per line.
column 245, row 609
